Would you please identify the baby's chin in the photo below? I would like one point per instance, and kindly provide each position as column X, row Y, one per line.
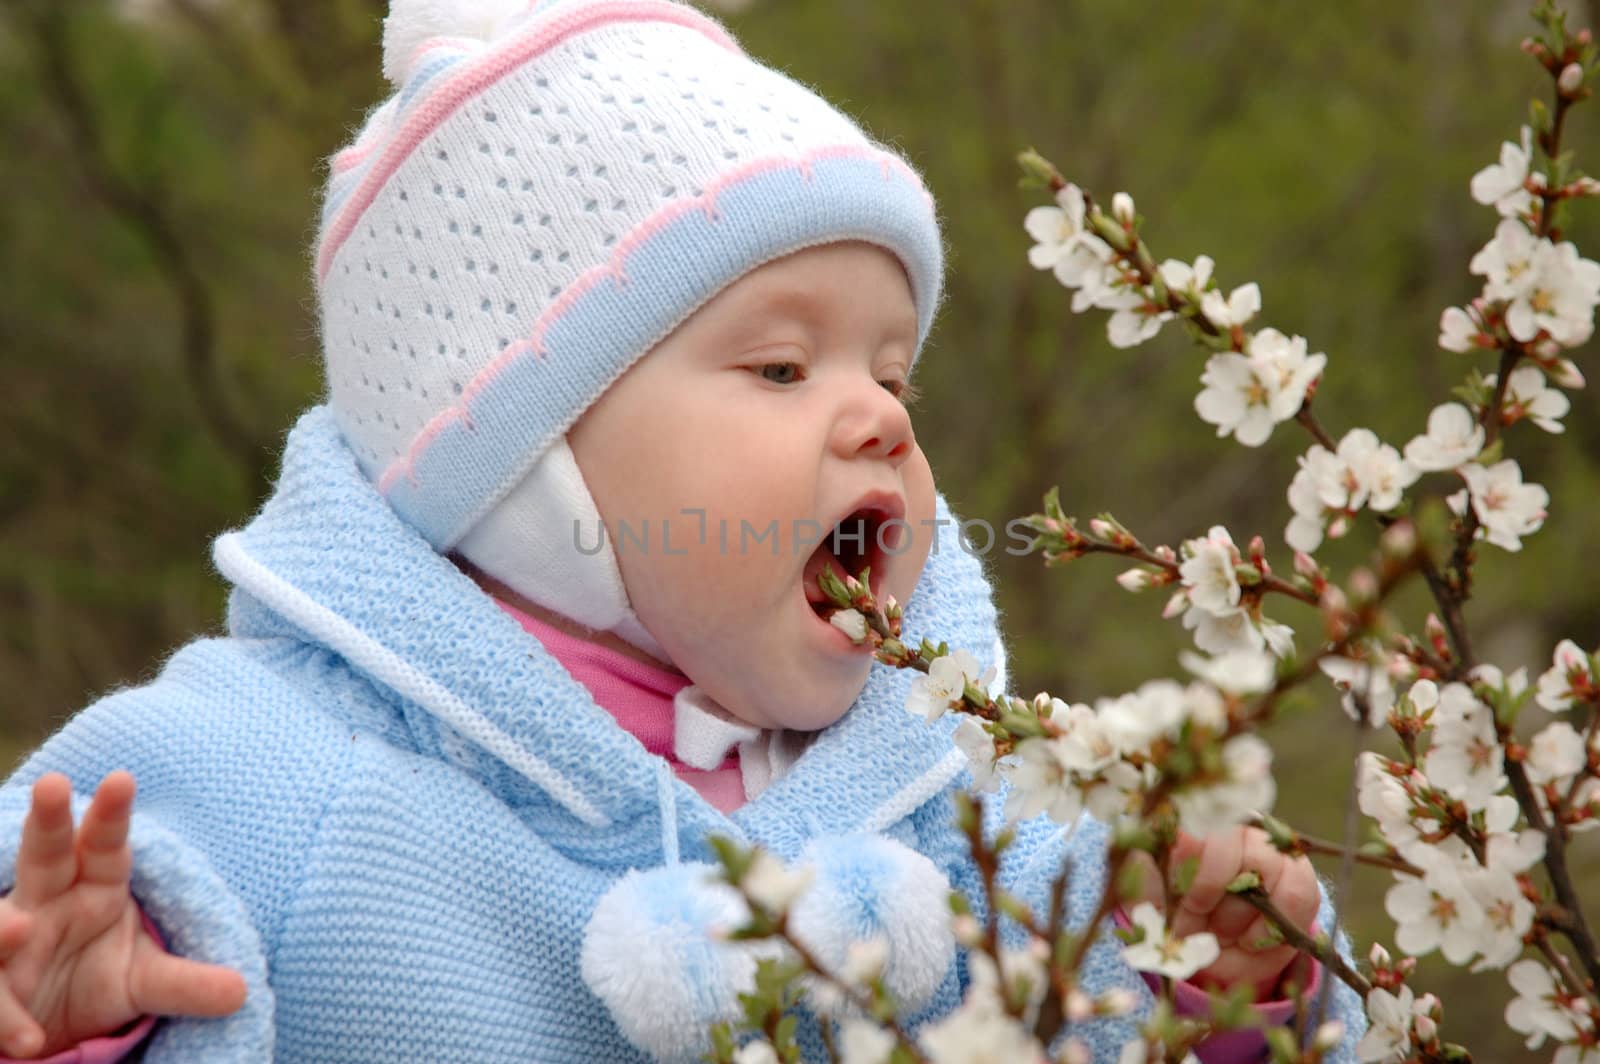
column 807, row 716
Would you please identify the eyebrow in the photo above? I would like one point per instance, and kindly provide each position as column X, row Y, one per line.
column 802, row 306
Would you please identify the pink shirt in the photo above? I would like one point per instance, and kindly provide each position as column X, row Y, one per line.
column 640, row 698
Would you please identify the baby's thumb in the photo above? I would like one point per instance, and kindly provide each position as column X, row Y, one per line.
column 165, row 985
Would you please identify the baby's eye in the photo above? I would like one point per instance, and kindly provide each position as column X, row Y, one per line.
column 779, row 372
column 901, row 390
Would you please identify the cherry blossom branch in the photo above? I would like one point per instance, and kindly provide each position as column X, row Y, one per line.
column 1292, row 841
column 1322, row 950
column 1574, row 925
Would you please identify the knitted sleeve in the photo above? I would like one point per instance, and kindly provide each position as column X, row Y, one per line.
column 214, row 852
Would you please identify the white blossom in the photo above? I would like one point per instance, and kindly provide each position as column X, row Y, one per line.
column 1435, row 912
column 1458, row 331
column 971, row 739
column 1379, row 473
column 1134, row 720
column 1247, row 394
column 1249, row 789
column 1238, row 308
column 1232, row 631
column 1192, row 281
column 1506, row 261
column 852, row 623
column 980, row 1031
column 1454, row 438
column 1465, row 759
column 1363, row 472
column 1555, row 755
column 1360, row 681
column 930, row 695
column 1529, row 395
column 771, row 885
column 1537, row 1011
column 1136, row 317
column 1163, row 953
column 1388, row 1037
column 1207, row 571
column 1041, row 782
column 1507, row 508
column 1547, row 286
column 1570, row 675
column 1502, row 185
column 1065, row 244
column 1139, row 1052
column 757, row 1052
column 864, row 1042
column 1384, row 798
column 1242, row 672
column 1507, row 915
column 1320, row 490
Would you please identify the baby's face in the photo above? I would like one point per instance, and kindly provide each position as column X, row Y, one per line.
column 773, row 408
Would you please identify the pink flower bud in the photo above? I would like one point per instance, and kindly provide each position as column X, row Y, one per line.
column 1080, row 1007
column 967, row 930
column 1427, row 1029
column 1399, row 540
column 1118, row 1002
column 1101, row 527
column 1565, row 372
column 1433, row 627
column 1075, row 1052
column 1165, row 553
column 1378, row 957
column 1364, row 584
column 1338, row 526
column 1122, row 206
column 1175, row 605
column 1134, row 580
column 1306, row 565
column 1570, row 80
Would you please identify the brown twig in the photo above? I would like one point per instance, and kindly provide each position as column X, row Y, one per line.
column 1297, row 938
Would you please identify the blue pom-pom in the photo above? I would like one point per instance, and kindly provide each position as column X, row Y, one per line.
column 869, row 886
column 652, row 953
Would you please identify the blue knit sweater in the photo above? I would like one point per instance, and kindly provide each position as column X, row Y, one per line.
column 392, row 811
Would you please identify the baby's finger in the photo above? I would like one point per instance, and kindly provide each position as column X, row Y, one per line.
column 15, row 926
column 1220, row 855
column 1150, row 886
column 1297, row 896
column 166, row 985
column 1264, row 859
column 103, row 854
column 20, row 1036
column 46, row 865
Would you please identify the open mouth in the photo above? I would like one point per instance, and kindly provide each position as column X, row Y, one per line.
column 857, row 542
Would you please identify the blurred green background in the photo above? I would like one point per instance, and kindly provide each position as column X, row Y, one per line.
column 161, row 168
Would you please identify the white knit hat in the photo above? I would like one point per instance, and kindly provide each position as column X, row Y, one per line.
column 552, row 189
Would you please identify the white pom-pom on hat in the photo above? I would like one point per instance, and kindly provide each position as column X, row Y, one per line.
column 652, row 953
column 412, row 22
column 872, row 887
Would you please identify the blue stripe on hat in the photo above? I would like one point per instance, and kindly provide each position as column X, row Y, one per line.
column 465, row 470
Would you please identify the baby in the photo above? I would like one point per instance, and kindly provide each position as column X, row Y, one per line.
column 618, row 327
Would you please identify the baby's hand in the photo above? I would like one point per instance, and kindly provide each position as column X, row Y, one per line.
column 1249, row 956
column 75, row 962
